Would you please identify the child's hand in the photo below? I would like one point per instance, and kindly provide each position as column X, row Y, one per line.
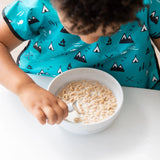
column 43, row 104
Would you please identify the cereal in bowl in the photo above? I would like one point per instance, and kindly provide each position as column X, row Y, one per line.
column 95, row 102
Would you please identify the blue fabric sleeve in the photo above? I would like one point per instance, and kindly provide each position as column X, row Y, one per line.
column 154, row 19
column 23, row 19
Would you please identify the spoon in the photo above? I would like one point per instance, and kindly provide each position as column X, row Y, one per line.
column 72, row 111
column 72, row 106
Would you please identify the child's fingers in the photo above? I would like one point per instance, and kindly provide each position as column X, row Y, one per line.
column 39, row 114
column 64, row 107
column 60, row 113
column 51, row 115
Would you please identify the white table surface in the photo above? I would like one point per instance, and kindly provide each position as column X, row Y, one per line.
column 135, row 135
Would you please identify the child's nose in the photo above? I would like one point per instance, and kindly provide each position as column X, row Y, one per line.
column 88, row 39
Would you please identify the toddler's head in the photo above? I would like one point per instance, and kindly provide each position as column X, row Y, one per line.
column 90, row 19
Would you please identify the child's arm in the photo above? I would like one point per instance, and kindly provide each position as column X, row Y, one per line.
column 39, row 102
column 157, row 43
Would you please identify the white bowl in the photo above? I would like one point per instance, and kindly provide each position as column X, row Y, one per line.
column 88, row 74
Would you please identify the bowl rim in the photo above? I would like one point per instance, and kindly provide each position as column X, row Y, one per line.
column 94, row 69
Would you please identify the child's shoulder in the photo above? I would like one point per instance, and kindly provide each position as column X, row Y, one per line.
column 30, row 6
column 33, row 3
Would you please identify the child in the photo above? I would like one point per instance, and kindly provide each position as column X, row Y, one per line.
column 113, row 36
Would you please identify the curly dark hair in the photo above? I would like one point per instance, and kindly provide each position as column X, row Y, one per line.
column 93, row 13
